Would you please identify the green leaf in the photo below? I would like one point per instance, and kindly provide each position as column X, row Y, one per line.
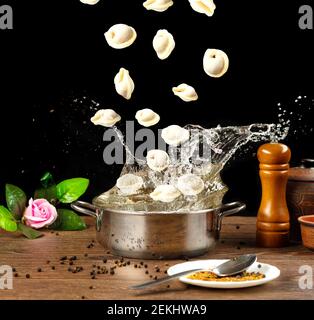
column 47, row 180
column 7, row 221
column 16, row 200
column 68, row 220
column 28, row 232
column 49, row 193
column 70, row 190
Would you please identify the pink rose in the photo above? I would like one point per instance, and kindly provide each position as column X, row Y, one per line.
column 40, row 213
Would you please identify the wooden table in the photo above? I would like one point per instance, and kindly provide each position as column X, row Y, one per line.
column 56, row 282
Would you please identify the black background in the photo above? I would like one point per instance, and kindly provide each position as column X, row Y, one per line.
column 57, row 53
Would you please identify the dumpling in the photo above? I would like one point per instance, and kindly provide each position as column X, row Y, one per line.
column 215, row 62
column 185, row 92
column 165, row 193
column 175, row 135
column 124, row 84
column 163, row 44
column 90, row 1
column 157, row 160
column 105, row 118
column 203, row 6
column 120, row 36
column 129, row 184
column 190, row 184
column 147, row 117
column 157, row 5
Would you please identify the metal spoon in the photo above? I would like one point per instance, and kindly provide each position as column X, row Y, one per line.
column 228, row 268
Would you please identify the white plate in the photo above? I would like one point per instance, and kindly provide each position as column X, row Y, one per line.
column 268, row 270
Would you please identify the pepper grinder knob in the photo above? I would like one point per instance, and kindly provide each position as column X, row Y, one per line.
column 273, row 224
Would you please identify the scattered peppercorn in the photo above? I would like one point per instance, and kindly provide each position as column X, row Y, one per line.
column 238, row 248
column 141, row 263
column 13, row 269
column 71, row 263
column 259, row 266
column 28, row 276
column 237, row 227
column 112, row 272
column 145, row 266
column 39, row 270
column 53, row 268
column 146, row 272
column 16, row 275
column 73, row 258
column 135, row 266
column 86, row 255
column 155, row 278
column 168, row 286
column 63, row 258
column 128, row 263
column 91, row 287
column 105, row 261
column 83, row 297
column 57, row 233
column 48, row 261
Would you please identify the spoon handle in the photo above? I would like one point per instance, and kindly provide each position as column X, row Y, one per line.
column 165, row 279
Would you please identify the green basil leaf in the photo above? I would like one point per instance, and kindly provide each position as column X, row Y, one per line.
column 7, row 221
column 68, row 220
column 28, row 232
column 16, row 200
column 70, row 190
column 47, row 180
column 49, row 193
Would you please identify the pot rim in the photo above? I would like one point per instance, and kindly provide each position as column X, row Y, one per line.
column 229, row 208
column 302, row 220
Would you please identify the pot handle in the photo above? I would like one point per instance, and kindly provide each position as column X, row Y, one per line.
column 85, row 208
column 226, row 210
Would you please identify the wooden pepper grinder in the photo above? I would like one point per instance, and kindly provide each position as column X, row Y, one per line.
column 273, row 216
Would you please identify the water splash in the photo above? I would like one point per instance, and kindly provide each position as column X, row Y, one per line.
column 204, row 154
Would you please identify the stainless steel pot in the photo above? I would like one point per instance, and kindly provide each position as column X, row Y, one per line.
column 158, row 235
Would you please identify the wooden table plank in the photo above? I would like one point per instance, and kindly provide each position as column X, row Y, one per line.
column 238, row 237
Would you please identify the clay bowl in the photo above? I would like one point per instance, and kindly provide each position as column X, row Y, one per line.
column 307, row 230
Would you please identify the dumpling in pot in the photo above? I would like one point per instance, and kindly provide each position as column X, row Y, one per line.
column 157, row 160
column 129, row 184
column 190, row 184
column 165, row 193
column 175, row 135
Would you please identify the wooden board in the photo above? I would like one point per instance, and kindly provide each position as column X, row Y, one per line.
column 238, row 237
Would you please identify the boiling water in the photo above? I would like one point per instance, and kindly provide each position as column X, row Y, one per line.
column 204, row 154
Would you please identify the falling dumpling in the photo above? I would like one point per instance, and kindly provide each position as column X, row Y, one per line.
column 165, row 193
column 203, row 6
column 157, row 160
column 124, row 84
column 190, row 184
column 163, row 44
column 129, row 184
column 215, row 62
column 105, row 118
column 120, row 36
column 185, row 92
column 90, row 1
column 175, row 135
column 147, row 117
column 157, row 5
